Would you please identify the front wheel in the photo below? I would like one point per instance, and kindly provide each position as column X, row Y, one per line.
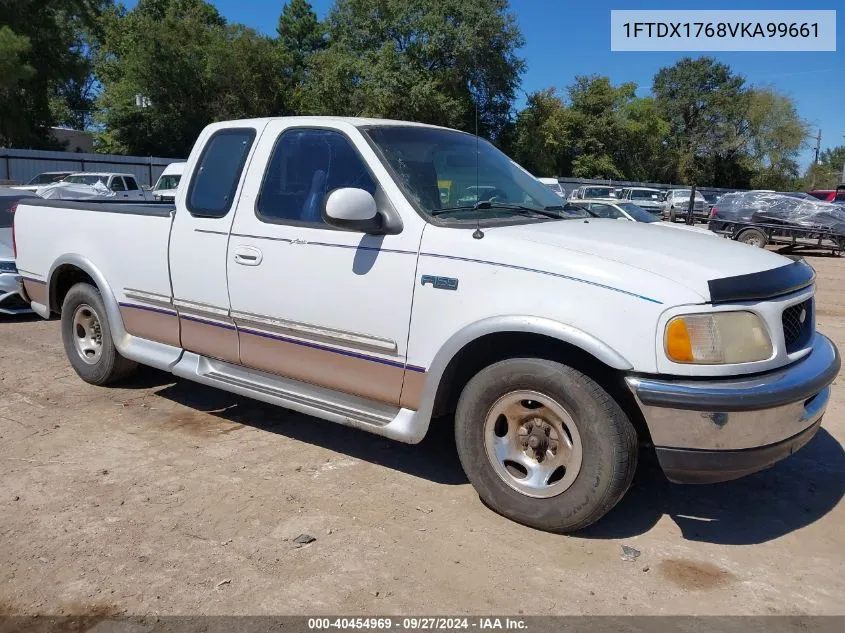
column 543, row 444
column 87, row 338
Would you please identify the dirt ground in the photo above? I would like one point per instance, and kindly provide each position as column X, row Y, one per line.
column 166, row 497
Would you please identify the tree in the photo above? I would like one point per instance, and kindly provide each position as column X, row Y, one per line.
column 431, row 61
column 45, row 58
column 171, row 67
column 704, row 103
column 776, row 135
column 605, row 131
column 541, row 141
column 827, row 174
column 300, row 33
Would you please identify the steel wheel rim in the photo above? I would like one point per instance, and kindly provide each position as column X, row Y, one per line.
column 87, row 334
column 533, row 444
column 753, row 240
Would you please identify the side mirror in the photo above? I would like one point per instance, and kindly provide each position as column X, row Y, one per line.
column 353, row 210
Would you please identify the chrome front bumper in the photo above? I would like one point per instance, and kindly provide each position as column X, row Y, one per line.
column 716, row 429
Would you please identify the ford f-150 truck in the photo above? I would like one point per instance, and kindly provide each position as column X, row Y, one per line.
column 314, row 263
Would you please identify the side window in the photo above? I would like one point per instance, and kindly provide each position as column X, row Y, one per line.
column 218, row 172
column 307, row 164
column 131, row 185
column 117, row 184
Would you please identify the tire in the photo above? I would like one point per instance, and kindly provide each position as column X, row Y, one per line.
column 590, row 484
column 87, row 338
column 753, row 237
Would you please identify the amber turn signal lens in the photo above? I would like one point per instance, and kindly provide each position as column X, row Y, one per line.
column 678, row 344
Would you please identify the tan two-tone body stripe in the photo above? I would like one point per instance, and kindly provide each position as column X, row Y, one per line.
column 279, row 347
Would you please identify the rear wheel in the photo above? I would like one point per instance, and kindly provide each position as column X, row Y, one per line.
column 543, row 444
column 87, row 338
column 753, row 237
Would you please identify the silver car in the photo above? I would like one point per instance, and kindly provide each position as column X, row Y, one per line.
column 10, row 300
column 675, row 205
column 644, row 197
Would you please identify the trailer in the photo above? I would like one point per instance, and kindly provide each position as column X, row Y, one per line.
column 760, row 234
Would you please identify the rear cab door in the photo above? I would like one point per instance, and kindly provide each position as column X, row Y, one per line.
column 205, row 208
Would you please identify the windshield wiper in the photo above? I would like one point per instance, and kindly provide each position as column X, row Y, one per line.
column 549, row 212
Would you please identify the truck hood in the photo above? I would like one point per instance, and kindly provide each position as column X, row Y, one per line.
column 688, row 258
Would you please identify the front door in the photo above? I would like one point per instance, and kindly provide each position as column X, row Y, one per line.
column 312, row 303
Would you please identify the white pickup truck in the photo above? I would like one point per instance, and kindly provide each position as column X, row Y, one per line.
column 312, row 263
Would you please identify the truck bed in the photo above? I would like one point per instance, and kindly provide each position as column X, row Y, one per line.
column 160, row 209
column 126, row 242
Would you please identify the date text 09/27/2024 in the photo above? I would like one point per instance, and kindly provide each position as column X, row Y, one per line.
column 418, row 623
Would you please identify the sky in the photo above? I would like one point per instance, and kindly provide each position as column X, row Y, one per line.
column 565, row 38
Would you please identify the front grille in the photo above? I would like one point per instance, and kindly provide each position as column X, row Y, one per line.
column 798, row 325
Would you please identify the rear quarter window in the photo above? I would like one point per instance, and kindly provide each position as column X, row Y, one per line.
column 218, row 172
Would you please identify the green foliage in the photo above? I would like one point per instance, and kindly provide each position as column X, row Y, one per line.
column 430, row 61
column 606, row 131
column 704, row 103
column 827, row 174
column 45, row 67
column 190, row 67
column 702, row 126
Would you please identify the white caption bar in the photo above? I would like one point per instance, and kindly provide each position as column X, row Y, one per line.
column 672, row 30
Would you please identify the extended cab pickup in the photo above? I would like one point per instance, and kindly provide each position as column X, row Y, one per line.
column 314, row 263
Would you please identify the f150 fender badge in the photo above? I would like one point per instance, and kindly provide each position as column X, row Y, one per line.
column 441, row 283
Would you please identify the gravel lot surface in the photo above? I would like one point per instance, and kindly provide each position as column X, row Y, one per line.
column 166, row 497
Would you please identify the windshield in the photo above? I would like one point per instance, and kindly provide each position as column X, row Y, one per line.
column 684, row 193
column 645, row 194
column 168, row 182
column 85, row 179
column 637, row 212
column 599, row 192
column 46, row 179
column 449, row 172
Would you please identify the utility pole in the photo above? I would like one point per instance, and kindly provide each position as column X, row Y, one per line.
column 818, row 146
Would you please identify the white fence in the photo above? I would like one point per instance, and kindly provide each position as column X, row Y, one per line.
column 18, row 166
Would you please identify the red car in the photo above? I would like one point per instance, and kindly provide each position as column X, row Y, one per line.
column 829, row 195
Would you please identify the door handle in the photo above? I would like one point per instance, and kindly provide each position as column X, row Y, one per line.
column 248, row 256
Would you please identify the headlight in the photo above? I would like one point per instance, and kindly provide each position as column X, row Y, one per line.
column 718, row 338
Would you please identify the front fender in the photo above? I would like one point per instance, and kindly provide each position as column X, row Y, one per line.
column 524, row 324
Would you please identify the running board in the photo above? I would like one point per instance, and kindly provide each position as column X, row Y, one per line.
column 347, row 409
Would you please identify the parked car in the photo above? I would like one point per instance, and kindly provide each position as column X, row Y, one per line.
column 125, row 186
column 592, row 191
column 554, row 185
column 825, row 195
column 311, row 264
column 44, row 178
column 11, row 301
column 676, row 203
column 624, row 210
column 644, row 197
column 710, row 199
column 165, row 187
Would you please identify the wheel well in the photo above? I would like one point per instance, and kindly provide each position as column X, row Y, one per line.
column 64, row 278
column 492, row 348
